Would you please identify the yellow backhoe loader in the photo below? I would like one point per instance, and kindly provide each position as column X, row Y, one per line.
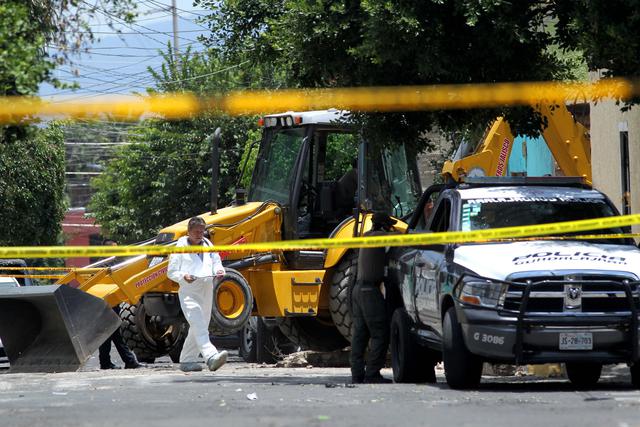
column 313, row 177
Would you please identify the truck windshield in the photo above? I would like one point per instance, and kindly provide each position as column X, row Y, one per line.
column 478, row 214
column 275, row 166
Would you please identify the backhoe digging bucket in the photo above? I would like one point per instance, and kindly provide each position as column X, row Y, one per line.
column 52, row 328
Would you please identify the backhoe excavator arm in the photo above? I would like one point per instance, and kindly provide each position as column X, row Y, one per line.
column 567, row 140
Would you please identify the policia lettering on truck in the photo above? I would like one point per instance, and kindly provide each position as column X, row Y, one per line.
column 575, row 256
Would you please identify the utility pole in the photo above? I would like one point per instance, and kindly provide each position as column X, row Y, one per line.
column 174, row 12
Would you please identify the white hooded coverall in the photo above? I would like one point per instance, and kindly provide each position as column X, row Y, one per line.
column 196, row 298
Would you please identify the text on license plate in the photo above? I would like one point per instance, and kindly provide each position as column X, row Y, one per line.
column 576, row 341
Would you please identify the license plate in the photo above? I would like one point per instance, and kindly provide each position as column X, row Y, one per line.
column 576, row 341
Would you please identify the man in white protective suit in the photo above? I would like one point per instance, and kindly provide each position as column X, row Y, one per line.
column 195, row 273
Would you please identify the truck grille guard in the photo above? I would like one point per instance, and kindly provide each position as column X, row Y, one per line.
column 620, row 319
column 528, row 289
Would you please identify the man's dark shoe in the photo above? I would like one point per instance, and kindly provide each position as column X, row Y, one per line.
column 109, row 366
column 135, row 365
column 377, row 379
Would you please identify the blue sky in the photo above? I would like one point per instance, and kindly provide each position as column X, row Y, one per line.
column 117, row 64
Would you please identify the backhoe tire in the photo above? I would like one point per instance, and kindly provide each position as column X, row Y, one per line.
column 312, row 333
column 342, row 281
column 232, row 304
column 248, row 342
column 411, row 362
column 583, row 375
column 146, row 336
column 462, row 368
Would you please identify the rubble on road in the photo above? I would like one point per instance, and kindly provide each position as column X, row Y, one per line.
column 302, row 359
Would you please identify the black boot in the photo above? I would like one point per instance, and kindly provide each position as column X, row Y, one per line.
column 376, row 379
column 109, row 366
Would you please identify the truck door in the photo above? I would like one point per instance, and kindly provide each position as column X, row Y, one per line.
column 429, row 267
column 400, row 275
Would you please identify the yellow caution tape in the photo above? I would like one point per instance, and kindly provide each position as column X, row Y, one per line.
column 579, row 237
column 353, row 242
column 34, row 276
column 84, row 269
column 400, row 98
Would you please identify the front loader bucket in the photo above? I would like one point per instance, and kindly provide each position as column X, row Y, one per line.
column 52, row 328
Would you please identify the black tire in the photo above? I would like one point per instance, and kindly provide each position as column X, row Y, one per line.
column 583, row 375
column 635, row 375
column 462, row 368
column 312, row 333
column 146, row 336
column 411, row 362
column 267, row 350
column 342, row 281
column 248, row 342
column 230, row 312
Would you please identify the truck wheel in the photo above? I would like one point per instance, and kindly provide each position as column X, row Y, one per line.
column 462, row 368
column 411, row 362
column 312, row 333
column 583, row 375
column 232, row 303
column 635, row 375
column 148, row 336
column 248, row 342
column 342, row 280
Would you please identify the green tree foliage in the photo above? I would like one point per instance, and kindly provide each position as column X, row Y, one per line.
column 606, row 31
column 31, row 188
column 22, row 64
column 165, row 176
column 375, row 42
column 36, row 35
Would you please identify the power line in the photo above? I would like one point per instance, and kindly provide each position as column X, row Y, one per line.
column 124, row 23
column 113, row 47
column 132, row 33
column 156, row 3
column 149, row 78
column 192, row 12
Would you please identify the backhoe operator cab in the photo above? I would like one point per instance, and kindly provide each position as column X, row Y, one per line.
column 320, row 172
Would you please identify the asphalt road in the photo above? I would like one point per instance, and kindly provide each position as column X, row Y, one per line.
column 160, row 395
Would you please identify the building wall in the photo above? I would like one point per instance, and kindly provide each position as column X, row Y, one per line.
column 606, row 154
column 606, row 119
column 430, row 162
column 79, row 230
column 530, row 157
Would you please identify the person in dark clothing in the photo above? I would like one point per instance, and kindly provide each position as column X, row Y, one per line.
column 368, row 309
column 127, row 356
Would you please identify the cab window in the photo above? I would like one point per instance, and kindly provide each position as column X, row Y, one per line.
column 441, row 218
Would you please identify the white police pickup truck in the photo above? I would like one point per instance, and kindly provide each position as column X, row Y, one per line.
column 521, row 302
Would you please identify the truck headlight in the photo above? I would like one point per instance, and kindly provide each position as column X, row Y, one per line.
column 483, row 292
